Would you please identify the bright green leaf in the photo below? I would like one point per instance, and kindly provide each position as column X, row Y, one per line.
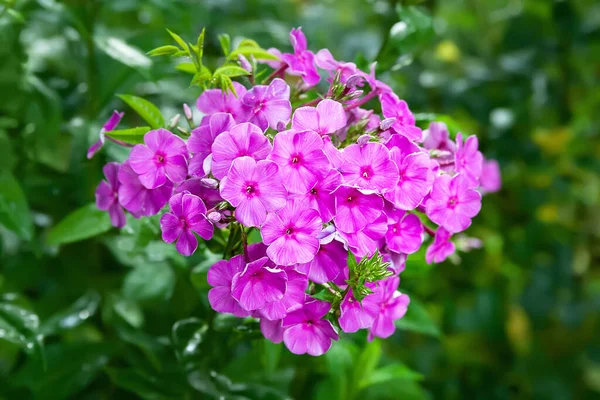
column 132, row 135
column 225, row 42
column 83, row 223
column 163, row 51
column 180, row 41
column 148, row 111
column 186, row 67
column 258, row 53
column 231, row 71
column 14, row 211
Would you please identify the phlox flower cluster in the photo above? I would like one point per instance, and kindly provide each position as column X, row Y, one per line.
column 348, row 172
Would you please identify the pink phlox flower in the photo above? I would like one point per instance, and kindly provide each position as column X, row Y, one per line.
column 163, row 157
column 366, row 241
column 328, row 263
column 272, row 330
column 107, row 195
column 216, row 101
column 452, row 203
column 136, row 198
column 110, row 125
column 334, row 155
column 220, row 276
column 253, row 188
column 319, row 194
column 326, row 118
column 241, row 140
column 392, row 306
column 202, row 138
column 291, row 233
column 441, row 248
column 354, row 209
column 490, row 179
column 258, row 284
column 210, row 196
column 405, row 235
column 306, row 331
column 468, row 159
column 268, row 105
column 369, row 167
column 324, row 60
column 357, row 315
column 300, row 158
column 437, row 137
column 292, row 300
column 302, row 62
column 187, row 216
column 393, row 107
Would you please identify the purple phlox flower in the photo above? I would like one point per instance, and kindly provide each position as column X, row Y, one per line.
column 392, row 305
column 404, row 145
column 468, row 159
column 329, row 261
column 415, row 179
column 291, row 233
column 405, row 235
column 393, row 107
column 437, row 137
column 220, row 276
column 300, row 158
column 306, row 331
column 441, row 248
column 324, row 60
column 354, row 209
column 397, row 261
column 275, row 64
column 256, row 251
column 272, row 330
column 365, row 242
column 163, row 157
column 188, row 215
column 357, row 315
column 136, row 198
column 258, row 284
column 319, row 195
column 302, row 62
column 374, row 83
column 369, row 167
column 326, row 118
column 110, row 125
column 490, row 179
column 215, row 100
column 254, row 188
column 333, row 154
column 452, row 203
column 202, row 138
column 268, row 105
column 358, row 114
column 293, row 298
column 107, row 195
column 195, row 186
column 244, row 139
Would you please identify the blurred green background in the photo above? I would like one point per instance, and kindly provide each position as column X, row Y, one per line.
column 121, row 315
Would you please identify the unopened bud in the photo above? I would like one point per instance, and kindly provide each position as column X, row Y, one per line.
column 363, row 139
column 187, row 111
column 281, row 126
column 354, row 80
column 209, row 183
column 244, row 63
column 174, row 121
column 355, row 94
column 387, row 123
column 214, row 217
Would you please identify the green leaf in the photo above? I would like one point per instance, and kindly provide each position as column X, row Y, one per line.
column 120, row 51
column 249, row 43
column 226, row 84
column 203, row 76
column 148, row 111
column 16, row 15
column 231, row 71
column 187, row 335
column 258, row 53
column 83, row 223
column 417, row 319
column 14, row 211
column 131, row 135
column 145, row 386
column 270, row 355
column 389, row 373
column 83, row 309
column 148, row 282
column 21, row 326
column 225, row 42
column 163, row 51
column 413, row 31
column 200, row 45
column 180, row 41
column 186, row 67
column 367, row 361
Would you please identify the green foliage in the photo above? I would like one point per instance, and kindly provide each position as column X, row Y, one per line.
column 14, row 211
column 83, row 223
column 148, row 111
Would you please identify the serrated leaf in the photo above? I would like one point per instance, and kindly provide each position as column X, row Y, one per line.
column 180, row 41
column 225, row 42
column 83, row 223
column 148, row 111
column 131, row 135
column 14, row 211
column 186, row 67
column 163, row 51
column 84, row 308
column 417, row 319
column 231, row 71
column 258, row 53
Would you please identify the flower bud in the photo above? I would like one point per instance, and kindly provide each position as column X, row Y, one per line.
column 187, row 112
column 244, row 63
column 214, row 217
column 363, row 139
column 209, row 183
column 173, row 122
column 354, row 80
column 387, row 123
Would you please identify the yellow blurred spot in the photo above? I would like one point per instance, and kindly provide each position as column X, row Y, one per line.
column 547, row 213
column 518, row 330
column 552, row 141
column 448, row 51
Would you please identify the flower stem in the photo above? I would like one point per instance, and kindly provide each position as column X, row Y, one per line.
column 279, row 71
column 245, row 244
column 362, row 101
column 119, row 142
column 429, row 231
